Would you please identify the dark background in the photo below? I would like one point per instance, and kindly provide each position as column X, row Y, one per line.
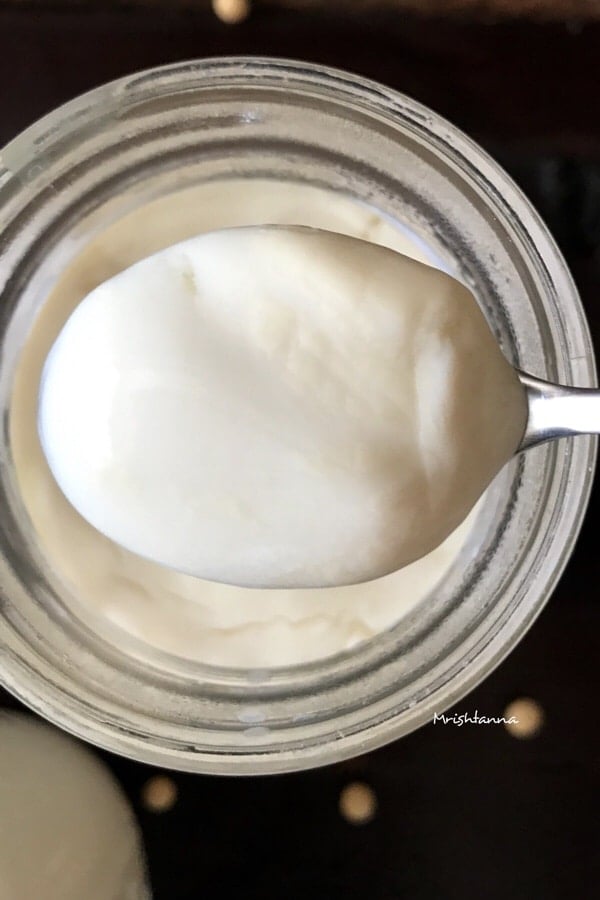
column 463, row 813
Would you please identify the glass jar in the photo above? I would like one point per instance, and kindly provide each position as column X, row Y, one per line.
column 109, row 152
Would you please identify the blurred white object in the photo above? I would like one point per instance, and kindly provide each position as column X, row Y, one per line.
column 66, row 829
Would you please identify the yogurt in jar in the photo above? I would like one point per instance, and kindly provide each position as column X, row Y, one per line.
column 205, row 621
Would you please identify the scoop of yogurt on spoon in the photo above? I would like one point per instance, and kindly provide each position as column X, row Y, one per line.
column 278, row 407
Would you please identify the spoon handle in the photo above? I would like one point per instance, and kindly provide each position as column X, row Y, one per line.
column 558, row 411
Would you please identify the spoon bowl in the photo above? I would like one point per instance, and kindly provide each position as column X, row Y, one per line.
column 286, row 407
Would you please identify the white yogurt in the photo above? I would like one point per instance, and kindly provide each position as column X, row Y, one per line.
column 278, row 408
column 205, row 621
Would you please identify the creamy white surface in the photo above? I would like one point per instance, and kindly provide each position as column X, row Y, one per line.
column 66, row 829
column 278, row 408
column 205, row 621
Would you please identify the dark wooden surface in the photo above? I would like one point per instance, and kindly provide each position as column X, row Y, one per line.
column 477, row 10
column 464, row 813
column 528, row 85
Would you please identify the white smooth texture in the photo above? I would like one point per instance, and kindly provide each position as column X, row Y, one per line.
column 278, row 408
column 201, row 620
column 66, row 829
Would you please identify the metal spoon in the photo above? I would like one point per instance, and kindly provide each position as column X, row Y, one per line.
column 180, row 408
column 556, row 411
